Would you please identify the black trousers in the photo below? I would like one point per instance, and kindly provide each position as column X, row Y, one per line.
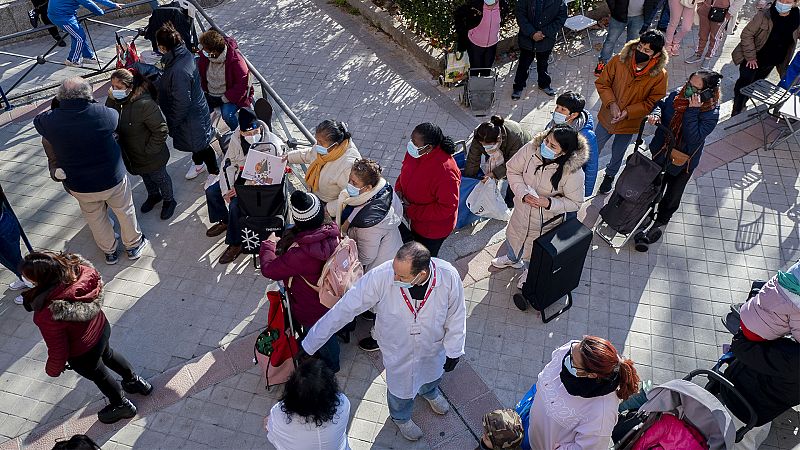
column 481, row 58
column 209, row 157
column 672, row 196
column 433, row 245
column 94, row 364
column 509, row 197
column 746, row 77
column 41, row 11
column 526, row 58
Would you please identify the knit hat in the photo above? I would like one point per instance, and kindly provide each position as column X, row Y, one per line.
column 306, row 210
column 504, row 429
column 247, row 119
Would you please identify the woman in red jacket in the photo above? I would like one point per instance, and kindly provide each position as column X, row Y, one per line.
column 224, row 75
column 428, row 186
column 297, row 260
column 66, row 302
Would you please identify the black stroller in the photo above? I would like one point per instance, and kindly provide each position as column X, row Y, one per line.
column 636, row 195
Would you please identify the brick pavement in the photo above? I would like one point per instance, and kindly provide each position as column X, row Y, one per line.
column 738, row 222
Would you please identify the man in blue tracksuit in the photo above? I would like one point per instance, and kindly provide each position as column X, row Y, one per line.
column 64, row 13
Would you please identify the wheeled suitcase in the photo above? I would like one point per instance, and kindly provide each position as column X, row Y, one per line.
column 556, row 266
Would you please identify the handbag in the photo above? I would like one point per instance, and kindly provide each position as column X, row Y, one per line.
column 717, row 14
column 456, row 68
column 677, row 161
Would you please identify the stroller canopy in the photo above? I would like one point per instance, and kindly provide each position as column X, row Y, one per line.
column 697, row 406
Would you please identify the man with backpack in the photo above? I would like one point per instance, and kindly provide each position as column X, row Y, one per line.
column 420, row 325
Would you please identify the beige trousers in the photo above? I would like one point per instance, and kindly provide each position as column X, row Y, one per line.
column 94, row 206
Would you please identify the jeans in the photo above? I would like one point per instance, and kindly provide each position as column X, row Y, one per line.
column 329, row 353
column 228, row 110
column 79, row 47
column 618, row 147
column 158, row 183
column 526, row 58
column 746, row 77
column 512, row 255
column 663, row 19
column 481, row 58
column 433, row 245
column 10, row 255
column 219, row 212
column 615, row 29
column 94, row 364
column 400, row 409
column 208, row 157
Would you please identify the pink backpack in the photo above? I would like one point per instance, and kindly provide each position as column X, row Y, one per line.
column 339, row 274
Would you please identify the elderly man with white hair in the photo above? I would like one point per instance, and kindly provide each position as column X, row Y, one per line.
column 78, row 137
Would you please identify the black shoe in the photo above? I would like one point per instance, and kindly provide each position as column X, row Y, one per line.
column 368, row 315
column 654, row 234
column 520, row 302
column 168, row 209
column 641, row 241
column 61, row 43
column 344, row 336
column 150, row 203
column 368, row 344
column 607, row 184
column 516, row 95
column 115, row 413
column 34, row 18
column 137, row 386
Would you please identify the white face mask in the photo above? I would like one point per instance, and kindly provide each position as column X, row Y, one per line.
column 559, row 118
column 253, row 139
column 492, row 147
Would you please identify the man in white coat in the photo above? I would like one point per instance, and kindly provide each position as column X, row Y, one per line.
column 420, row 325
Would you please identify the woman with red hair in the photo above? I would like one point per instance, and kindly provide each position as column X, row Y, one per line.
column 577, row 396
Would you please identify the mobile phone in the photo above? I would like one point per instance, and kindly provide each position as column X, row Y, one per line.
column 706, row 95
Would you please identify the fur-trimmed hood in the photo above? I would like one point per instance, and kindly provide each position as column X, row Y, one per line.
column 663, row 58
column 575, row 162
column 80, row 301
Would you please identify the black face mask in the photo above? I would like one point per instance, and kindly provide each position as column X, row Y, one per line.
column 641, row 57
column 587, row 387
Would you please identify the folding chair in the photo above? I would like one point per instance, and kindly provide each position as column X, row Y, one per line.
column 772, row 96
column 789, row 113
column 578, row 24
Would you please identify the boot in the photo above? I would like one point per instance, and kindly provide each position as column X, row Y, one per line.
column 114, row 413
column 137, row 385
column 150, row 203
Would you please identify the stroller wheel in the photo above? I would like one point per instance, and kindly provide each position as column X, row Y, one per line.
column 641, row 241
column 520, row 302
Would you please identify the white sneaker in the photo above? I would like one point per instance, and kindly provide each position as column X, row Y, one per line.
column 504, row 261
column 439, row 404
column 522, row 279
column 409, row 430
column 18, row 300
column 194, row 171
column 20, row 284
column 210, row 180
column 69, row 63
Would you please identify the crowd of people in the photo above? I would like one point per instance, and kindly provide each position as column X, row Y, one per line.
column 414, row 299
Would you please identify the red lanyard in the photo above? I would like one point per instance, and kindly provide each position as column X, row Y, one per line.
column 427, row 294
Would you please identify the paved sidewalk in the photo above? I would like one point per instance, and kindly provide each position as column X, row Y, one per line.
column 176, row 311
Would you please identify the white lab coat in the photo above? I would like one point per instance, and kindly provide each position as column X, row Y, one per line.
column 410, row 360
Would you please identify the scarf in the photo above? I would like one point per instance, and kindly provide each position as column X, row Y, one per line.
column 315, row 169
column 647, row 68
column 588, row 387
column 789, row 282
column 345, row 200
column 680, row 104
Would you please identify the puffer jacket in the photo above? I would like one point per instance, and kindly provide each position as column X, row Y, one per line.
column 696, row 127
column 636, row 95
column 754, row 37
column 70, row 317
column 237, row 75
column 512, row 138
column 673, row 433
column 142, row 133
column 182, row 100
column 584, row 124
column 333, row 177
column 61, row 12
column 468, row 16
column 775, row 311
column 373, row 220
column 525, row 171
column 305, row 260
column 547, row 16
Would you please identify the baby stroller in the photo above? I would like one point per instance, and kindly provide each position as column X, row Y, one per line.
column 636, row 195
column 479, row 90
column 680, row 414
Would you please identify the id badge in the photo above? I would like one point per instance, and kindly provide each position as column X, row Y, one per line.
column 415, row 329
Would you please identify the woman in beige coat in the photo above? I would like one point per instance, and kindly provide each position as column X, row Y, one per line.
column 547, row 180
column 330, row 160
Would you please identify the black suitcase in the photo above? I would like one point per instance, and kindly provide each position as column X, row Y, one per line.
column 556, row 266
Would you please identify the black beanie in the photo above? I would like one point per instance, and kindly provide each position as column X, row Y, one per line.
column 247, row 119
column 306, row 210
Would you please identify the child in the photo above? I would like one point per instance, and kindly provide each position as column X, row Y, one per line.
column 775, row 310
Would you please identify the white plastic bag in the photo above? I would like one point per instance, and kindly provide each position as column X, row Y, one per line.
column 486, row 200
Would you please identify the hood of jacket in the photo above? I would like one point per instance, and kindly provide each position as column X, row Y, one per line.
column 80, row 301
column 628, row 52
column 319, row 243
column 575, row 161
column 375, row 210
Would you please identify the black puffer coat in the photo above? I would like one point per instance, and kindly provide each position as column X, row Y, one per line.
column 619, row 9
column 142, row 133
column 183, row 103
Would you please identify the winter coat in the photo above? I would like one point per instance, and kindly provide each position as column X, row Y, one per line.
column 333, row 177
column 560, row 420
column 754, row 36
column 237, row 75
column 305, row 260
column 767, row 374
column 411, row 357
column 775, row 311
column 697, row 125
column 374, row 219
column 231, row 173
column 619, row 9
column 525, row 171
column 429, row 187
column 81, row 134
column 70, row 317
column 183, row 102
column 61, row 12
column 512, row 138
column 636, row 95
column 469, row 16
column 142, row 133
column 548, row 19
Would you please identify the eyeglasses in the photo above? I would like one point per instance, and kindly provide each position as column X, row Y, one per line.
column 572, row 363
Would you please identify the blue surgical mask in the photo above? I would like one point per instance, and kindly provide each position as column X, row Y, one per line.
column 782, row 8
column 119, row 94
column 352, row 191
column 490, row 2
column 405, row 284
column 568, row 365
column 491, row 148
column 412, row 150
column 206, row 54
column 320, row 149
column 547, row 152
column 559, row 117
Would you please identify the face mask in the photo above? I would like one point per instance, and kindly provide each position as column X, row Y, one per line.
column 206, row 54
column 253, row 139
column 490, row 2
column 119, row 94
column 320, row 149
column 641, row 57
column 491, row 148
column 413, row 150
column 405, row 284
column 547, row 152
column 352, row 191
column 782, row 8
column 689, row 91
column 568, row 365
column 584, row 386
column 559, row 118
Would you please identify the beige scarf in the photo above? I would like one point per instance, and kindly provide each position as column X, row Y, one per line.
column 358, row 200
